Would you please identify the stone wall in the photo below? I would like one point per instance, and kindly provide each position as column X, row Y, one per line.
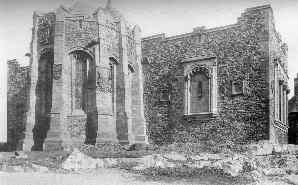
column 17, row 105
column 242, row 54
column 277, row 77
column 293, row 115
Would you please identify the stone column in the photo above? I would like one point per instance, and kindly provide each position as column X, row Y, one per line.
column 54, row 140
column 57, row 137
column 104, row 93
column 121, row 87
column 214, row 88
column 139, row 126
column 28, row 141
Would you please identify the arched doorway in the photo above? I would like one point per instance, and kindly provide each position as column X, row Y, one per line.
column 43, row 103
column 84, row 95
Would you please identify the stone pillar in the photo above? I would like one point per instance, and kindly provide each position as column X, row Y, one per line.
column 28, row 141
column 57, row 136
column 122, row 99
column 54, row 140
column 139, row 126
column 104, row 93
column 214, row 89
column 76, row 118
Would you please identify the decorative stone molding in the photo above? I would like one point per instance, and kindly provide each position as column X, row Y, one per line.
column 103, row 80
column 44, row 29
column 57, row 71
column 199, row 68
column 208, row 66
column 281, row 126
column 76, row 126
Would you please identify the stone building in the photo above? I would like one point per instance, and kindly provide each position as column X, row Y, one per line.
column 93, row 79
column 293, row 115
column 218, row 85
column 86, row 79
column 17, row 104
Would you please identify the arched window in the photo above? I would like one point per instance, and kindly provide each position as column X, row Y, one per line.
column 200, row 86
column 198, row 92
column 80, row 62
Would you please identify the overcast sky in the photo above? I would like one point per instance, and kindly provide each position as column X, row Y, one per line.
column 153, row 16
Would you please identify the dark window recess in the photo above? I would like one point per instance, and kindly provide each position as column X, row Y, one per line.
column 164, row 95
column 237, row 88
column 110, row 75
column 98, row 78
column 200, row 89
column 81, row 23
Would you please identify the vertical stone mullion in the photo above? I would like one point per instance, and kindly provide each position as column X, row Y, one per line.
column 122, row 77
column 214, row 89
column 28, row 141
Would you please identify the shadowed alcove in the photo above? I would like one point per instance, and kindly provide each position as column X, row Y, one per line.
column 84, row 91
column 43, row 99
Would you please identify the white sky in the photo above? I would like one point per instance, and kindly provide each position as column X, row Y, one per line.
column 153, row 16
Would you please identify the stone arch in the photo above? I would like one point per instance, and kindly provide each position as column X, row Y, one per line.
column 198, row 89
column 83, row 91
column 82, row 49
column 83, row 77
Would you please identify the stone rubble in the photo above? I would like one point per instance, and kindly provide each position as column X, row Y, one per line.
column 281, row 167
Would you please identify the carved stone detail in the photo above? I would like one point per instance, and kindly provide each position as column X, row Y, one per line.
column 57, row 71
column 200, row 68
column 44, row 30
column 104, row 80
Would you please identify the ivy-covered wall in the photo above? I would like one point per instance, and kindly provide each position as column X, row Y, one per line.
column 242, row 54
column 17, row 105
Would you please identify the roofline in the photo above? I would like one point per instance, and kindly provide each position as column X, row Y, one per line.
column 208, row 30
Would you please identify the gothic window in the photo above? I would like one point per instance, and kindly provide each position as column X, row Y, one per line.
column 130, row 74
column 164, row 96
column 80, row 62
column 200, row 89
column 110, row 77
column 200, row 86
column 199, row 93
column 281, row 102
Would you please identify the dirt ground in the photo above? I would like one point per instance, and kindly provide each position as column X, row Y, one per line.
column 101, row 177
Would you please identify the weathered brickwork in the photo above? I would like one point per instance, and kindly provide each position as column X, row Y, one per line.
column 17, row 105
column 243, row 54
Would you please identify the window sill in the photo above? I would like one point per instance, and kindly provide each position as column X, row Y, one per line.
column 202, row 115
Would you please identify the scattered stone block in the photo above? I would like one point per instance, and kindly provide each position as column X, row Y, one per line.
column 39, row 168
column 260, row 149
column 274, row 172
column 234, row 168
column 175, row 156
column 78, row 160
column 292, row 179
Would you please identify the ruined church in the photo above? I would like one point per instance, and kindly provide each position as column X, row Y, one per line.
column 93, row 79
